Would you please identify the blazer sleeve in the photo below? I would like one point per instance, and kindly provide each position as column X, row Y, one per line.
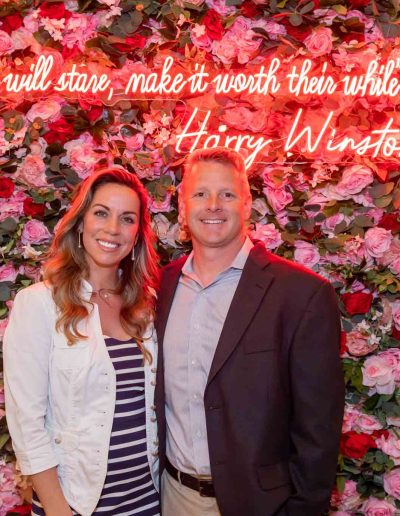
column 27, row 345
column 317, row 391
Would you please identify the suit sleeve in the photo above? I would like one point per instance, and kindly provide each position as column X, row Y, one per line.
column 27, row 344
column 317, row 392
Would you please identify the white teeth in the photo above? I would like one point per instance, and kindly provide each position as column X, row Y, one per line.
column 110, row 245
column 213, row 221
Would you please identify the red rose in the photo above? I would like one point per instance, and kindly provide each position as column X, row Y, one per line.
column 391, row 222
column 22, row 509
column 33, row 209
column 6, row 187
column 213, row 24
column 94, row 113
column 70, row 53
column 395, row 333
column 249, row 9
column 131, row 43
column 355, row 4
column 53, row 10
column 59, row 131
column 354, row 445
column 357, row 303
column 298, row 33
column 11, row 22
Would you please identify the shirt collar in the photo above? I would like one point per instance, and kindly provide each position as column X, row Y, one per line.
column 238, row 262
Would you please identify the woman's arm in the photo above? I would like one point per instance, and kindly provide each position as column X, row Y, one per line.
column 27, row 347
column 48, row 489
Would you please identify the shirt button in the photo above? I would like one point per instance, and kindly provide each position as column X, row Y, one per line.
column 195, row 397
column 196, row 326
column 193, row 362
column 58, row 440
column 198, row 433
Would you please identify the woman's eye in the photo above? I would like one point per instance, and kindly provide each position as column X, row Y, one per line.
column 100, row 213
column 129, row 220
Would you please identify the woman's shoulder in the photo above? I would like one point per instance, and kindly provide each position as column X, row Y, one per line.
column 36, row 291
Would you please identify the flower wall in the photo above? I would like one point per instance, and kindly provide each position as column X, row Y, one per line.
column 334, row 211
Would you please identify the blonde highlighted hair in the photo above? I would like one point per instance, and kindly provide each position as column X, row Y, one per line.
column 67, row 266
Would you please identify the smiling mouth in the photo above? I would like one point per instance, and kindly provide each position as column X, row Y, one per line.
column 212, row 221
column 108, row 245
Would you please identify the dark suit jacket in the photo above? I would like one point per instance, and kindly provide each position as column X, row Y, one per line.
column 275, row 392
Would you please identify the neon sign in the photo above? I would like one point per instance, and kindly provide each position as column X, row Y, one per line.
column 302, row 80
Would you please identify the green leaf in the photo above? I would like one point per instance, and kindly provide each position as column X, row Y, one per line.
column 295, row 19
column 381, row 190
column 4, row 439
column 363, row 221
column 5, row 290
column 307, row 8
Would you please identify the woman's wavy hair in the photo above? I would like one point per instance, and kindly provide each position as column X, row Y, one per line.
column 67, row 266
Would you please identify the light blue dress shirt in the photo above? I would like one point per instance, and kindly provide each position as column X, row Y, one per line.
column 194, row 326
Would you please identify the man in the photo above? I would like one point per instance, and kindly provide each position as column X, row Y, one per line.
column 249, row 352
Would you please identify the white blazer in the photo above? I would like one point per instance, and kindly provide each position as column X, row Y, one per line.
column 60, row 399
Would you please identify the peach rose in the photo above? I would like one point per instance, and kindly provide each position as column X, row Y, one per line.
column 357, row 344
column 32, row 171
column 354, row 180
column 277, row 198
column 319, row 42
column 48, row 110
column 391, row 446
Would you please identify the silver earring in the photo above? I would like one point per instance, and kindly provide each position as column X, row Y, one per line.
column 133, row 254
column 79, row 239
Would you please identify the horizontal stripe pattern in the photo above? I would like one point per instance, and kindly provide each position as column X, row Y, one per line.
column 128, row 487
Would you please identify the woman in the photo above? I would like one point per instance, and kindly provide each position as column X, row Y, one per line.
column 80, row 359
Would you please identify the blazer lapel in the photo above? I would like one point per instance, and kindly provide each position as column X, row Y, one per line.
column 169, row 282
column 252, row 287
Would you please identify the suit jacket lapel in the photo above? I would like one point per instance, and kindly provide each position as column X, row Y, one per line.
column 169, row 282
column 252, row 287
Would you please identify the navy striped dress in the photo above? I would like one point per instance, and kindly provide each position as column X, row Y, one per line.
column 128, row 487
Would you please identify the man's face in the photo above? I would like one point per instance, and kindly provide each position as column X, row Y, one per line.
column 214, row 205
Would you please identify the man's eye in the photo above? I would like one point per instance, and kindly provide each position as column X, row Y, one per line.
column 199, row 194
column 229, row 195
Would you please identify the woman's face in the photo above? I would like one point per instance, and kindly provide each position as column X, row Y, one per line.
column 110, row 225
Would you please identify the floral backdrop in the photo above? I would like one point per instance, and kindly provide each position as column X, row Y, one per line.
column 336, row 213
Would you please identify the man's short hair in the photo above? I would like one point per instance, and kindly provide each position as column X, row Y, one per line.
column 219, row 155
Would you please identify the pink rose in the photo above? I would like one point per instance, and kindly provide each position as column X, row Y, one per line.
column 367, row 424
column 377, row 241
column 354, row 180
column 220, row 7
column 349, row 499
column 391, row 446
column 81, row 157
column 396, row 314
column 277, row 198
column 164, row 205
column 306, row 254
column 329, row 224
column 200, row 39
column 135, row 142
column 258, row 120
column 12, row 207
column 32, row 171
column 319, row 42
column 33, row 272
column 391, row 482
column 237, row 117
column 6, row 43
column 378, row 374
column 48, row 110
column 224, row 49
column 35, row 232
column 268, row 234
column 375, row 507
column 357, row 344
column 8, row 273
